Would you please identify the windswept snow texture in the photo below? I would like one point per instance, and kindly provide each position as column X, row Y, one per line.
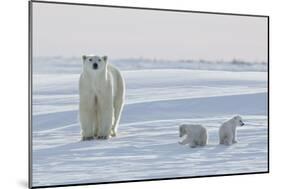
column 157, row 101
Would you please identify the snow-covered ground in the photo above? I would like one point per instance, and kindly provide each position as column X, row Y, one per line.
column 157, row 101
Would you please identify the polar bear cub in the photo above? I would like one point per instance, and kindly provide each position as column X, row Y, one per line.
column 227, row 131
column 196, row 135
column 101, row 93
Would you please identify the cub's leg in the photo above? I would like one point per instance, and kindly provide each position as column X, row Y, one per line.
column 203, row 138
column 185, row 141
column 221, row 140
column 228, row 140
column 192, row 144
column 234, row 137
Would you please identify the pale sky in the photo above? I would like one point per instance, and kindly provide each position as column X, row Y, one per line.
column 68, row 30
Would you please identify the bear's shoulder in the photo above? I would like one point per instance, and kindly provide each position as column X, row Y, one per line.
column 111, row 68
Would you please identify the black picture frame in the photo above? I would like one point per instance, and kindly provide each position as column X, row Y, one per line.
column 30, row 87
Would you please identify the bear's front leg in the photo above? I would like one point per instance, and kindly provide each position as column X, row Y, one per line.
column 86, row 125
column 105, row 114
column 86, row 110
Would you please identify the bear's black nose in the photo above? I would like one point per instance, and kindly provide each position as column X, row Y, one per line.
column 95, row 66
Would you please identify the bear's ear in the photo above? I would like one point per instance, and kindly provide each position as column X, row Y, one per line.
column 104, row 58
column 84, row 57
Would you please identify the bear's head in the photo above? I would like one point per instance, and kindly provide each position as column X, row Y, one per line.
column 238, row 120
column 94, row 64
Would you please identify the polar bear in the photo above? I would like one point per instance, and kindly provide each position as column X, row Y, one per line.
column 101, row 95
column 196, row 135
column 227, row 131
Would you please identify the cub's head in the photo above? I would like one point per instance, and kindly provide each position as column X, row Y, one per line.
column 238, row 120
column 182, row 130
column 93, row 63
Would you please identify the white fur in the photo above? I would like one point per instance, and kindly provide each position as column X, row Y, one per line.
column 102, row 94
column 196, row 135
column 227, row 131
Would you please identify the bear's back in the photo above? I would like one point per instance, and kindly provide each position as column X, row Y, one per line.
column 117, row 79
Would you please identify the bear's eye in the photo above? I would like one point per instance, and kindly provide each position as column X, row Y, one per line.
column 90, row 59
column 99, row 59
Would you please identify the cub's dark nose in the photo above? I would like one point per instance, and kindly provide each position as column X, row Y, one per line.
column 95, row 66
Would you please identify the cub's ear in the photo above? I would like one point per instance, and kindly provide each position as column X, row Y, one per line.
column 84, row 57
column 181, row 127
column 237, row 117
column 104, row 58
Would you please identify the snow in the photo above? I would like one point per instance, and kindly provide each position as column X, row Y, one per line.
column 157, row 101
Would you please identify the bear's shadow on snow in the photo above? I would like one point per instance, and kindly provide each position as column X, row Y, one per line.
column 209, row 148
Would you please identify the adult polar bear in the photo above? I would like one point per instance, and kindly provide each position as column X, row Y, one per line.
column 102, row 91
